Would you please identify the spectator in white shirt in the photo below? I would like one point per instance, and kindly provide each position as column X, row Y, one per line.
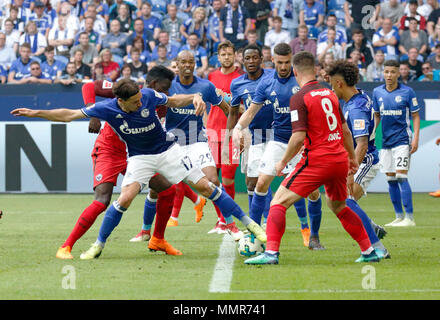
column 34, row 38
column 330, row 46
column 276, row 35
column 12, row 36
column 61, row 37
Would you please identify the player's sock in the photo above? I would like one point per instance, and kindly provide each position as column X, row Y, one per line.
column 406, row 194
column 230, row 189
column 84, row 222
column 219, row 214
column 164, row 207
column 228, row 207
column 112, row 218
column 250, row 197
column 301, row 211
column 149, row 212
column 353, row 225
column 190, row 194
column 315, row 214
column 353, row 205
column 276, row 226
column 268, row 200
column 178, row 200
column 258, row 206
column 396, row 198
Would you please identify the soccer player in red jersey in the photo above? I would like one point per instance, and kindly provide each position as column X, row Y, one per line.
column 318, row 123
column 216, row 125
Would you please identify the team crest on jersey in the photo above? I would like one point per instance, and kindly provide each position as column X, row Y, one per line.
column 145, row 113
column 107, row 84
column 98, row 177
column 295, row 89
column 398, row 99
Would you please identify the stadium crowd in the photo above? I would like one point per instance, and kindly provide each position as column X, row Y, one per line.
column 69, row 41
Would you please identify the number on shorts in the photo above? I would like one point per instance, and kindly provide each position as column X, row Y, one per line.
column 235, row 154
column 327, row 106
column 186, row 161
column 202, row 158
column 402, row 162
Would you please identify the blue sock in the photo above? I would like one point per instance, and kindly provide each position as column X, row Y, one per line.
column 250, row 197
column 353, row 205
column 149, row 212
column 258, row 206
column 111, row 219
column 226, row 205
column 396, row 199
column 301, row 211
column 267, row 207
column 315, row 214
column 406, row 194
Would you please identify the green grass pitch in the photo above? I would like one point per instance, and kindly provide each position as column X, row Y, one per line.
column 34, row 226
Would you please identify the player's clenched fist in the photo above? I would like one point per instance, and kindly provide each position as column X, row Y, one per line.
column 199, row 104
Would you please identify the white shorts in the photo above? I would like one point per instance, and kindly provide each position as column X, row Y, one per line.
column 173, row 164
column 200, row 154
column 366, row 173
column 273, row 153
column 251, row 159
column 394, row 159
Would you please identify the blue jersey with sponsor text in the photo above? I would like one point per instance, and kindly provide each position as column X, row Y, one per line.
column 243, row 89
column 359, row 114
column 183, row 122
column 395, row 109
column 278, row 91
column 141, row 130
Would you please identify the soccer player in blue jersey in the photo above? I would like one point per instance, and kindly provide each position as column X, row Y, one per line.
column 359, row 114
column 151, row 149
column 278, row 89
column 395, row 104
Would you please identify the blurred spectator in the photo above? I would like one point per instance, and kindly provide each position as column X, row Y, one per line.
column 313, row 14
column 363, row 15
column 435, row 38
column 7, row 55
column 427, row 72
column 234, row 23
column 126, row 73
column 151, row 22
column 393, row 10
column 36, row 75
column 113, row 10
column 99, row 24
column 341, row 35
column 238, row 62
column 53, row 68
column 3, row 75
column 34, row 38
column 140, row 31
column 139, row 44
column 362, row 44
column 89, row 50
column 425, row 7
column 138, row 68
column 195, row 25
column 387, row 39
column 320, row 72
column 50, row 10
column 115, row 40
column 72, row 22
column 102, row 9
column 172, row 24
column 213, row 25
column 109, row 70
column 16, row 20
column 330, row 46
column 259, row 12
column 329, row 58
column 94, row 38
column 277, row 34
column 69, row 75
column 302, row 42
column 435, row 60
column 404, row 22
column 252, row 38
column 173, row 66
column 433, row 19
column 162, row 58
column 172, row 50
column 415, row 66
column 12, row 35
column 375, row 69
column 200, row 55
column 405, row 75
column 267, row 57
column 124, row 18
column 413, row 38
column 355, row 57
column 76, row 8
column 83, row 71
column 23, row 13
column 60, row 37
column 290, row 12
column 42, row 19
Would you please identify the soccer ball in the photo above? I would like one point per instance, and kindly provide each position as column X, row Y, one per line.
column 248, row 245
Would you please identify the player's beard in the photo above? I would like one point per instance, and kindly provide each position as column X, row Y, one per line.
column 227, row 64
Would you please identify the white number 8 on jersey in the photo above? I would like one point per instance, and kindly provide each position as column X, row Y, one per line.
column 327, row 106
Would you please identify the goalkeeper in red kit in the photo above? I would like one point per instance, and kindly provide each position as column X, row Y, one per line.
column 328, row 158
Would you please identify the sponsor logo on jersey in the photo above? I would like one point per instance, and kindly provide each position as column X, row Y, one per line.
column 107, row 84
column 293, row 115
column 359, row 124
column 391, row 112
column 183, row 111
column 321, row 93
column 126, row 130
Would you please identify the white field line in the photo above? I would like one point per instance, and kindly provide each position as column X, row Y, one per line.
column 223, row 270
column 340, row 291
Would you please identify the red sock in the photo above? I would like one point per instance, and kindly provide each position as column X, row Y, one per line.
column 189, row 193
column 230, row 189
column 84, row 222
column 276, row 226
column 178, row 199
column 353, row 225
column 88, row 93
column 164, row 207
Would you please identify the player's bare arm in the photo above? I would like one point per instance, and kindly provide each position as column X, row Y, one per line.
column 361, row 148
column 294, row 145
column 416, row 124
column 349, row 147
column 59, row 115
column 183, row 100
column 245, row 119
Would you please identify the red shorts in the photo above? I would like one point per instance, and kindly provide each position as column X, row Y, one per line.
column 305, row 179
column 228, row 170
column 107, row 166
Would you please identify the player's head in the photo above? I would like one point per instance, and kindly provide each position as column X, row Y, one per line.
column 159, row 78
column 128, row 94
column 304, row 66
column 226, row 54
column 391, row 72
column 186, row 64
column 252, row 58
column 282, row 59
column 343, row 74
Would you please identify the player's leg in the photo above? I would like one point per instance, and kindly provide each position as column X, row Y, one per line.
column 147, row 218
column 177, row 205
column 228, row 170
column 314, row 206
column 199, row 202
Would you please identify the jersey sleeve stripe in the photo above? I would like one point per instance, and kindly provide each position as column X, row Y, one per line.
column 85, row 113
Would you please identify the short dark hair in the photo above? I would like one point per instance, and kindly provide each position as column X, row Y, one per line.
column 391, row 63
column 124, row 89
column 282, row 49
column 49, row 48
column 357, row 31
column 253, row 47
column 159, row 73
column 224, row 45
column 303, row 60
column 346, row 69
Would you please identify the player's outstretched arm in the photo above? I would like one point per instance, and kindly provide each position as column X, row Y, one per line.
column 294, row 145
column 245, row 119
column 416, row 124
column 59, row 115
column 183, row 100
